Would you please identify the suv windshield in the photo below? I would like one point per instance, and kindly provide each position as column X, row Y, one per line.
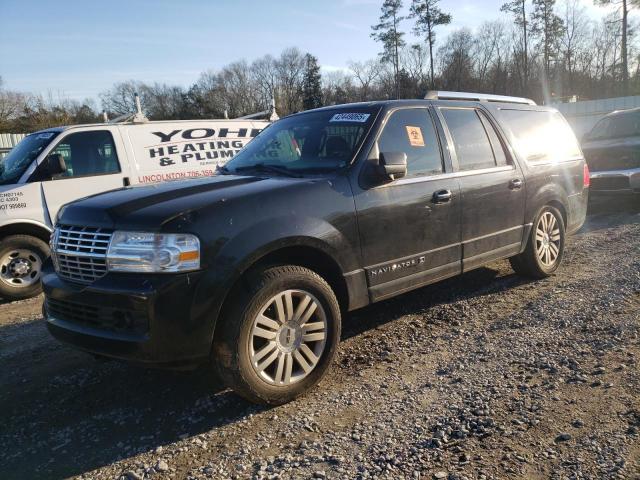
column 617, row 126
column 311, row 142
column 20, row 157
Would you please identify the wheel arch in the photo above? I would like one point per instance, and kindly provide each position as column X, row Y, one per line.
column 552, row 195
column 308, row 254
column 557, row 204
column 25, row 227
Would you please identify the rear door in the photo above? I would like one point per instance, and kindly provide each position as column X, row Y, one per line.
column 491, row 184
column 410, row 227
column 93, row 160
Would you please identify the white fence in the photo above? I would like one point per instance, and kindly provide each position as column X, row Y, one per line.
column 582, row 116
column 8, row 141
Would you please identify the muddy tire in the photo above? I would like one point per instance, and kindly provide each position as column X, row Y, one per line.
column 545, row 246
column 278, row 335
column 21, row 260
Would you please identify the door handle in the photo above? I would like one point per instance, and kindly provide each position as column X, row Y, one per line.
column 442, row 196
column 515, row 184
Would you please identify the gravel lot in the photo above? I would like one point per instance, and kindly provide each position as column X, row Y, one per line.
column 482, row 376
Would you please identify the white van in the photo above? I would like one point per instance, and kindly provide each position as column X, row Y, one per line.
column 56, row 166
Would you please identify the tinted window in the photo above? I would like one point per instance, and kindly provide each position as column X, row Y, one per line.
column 542, row 136
column 411, row 131
column 321, row 140
column 617, row 126
column 496, row 145
column 88, row 153
column 472, row 145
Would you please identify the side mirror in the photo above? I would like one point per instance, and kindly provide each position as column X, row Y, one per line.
column 393, row 165
column 56, row 165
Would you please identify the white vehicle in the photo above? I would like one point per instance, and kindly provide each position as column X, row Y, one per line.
column 52, row 167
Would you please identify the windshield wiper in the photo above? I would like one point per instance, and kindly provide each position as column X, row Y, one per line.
column 267, row 167
column 222, row 169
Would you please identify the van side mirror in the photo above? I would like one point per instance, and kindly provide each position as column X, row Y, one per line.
column 56, row 164
column 392, row 165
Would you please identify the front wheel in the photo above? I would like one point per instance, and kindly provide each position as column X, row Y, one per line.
column 545, row 246
column 278, row 337
column 21, row 259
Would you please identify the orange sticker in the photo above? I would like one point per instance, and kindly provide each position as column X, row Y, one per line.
column 415, row 136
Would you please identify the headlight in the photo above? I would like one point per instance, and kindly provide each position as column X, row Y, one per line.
column 153, row 252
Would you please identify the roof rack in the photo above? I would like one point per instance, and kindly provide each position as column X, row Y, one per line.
column 137, row 117
column 478, row 97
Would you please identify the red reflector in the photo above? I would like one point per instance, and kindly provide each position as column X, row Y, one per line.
column 585, row 176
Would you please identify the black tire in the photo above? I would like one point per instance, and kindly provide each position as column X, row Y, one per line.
column 528, row 263
column 232, row 342
column 28, row 286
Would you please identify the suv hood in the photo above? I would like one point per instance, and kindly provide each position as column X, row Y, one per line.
column 150, row 207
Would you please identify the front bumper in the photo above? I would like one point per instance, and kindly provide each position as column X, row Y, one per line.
column 145, row 318
column 616, row 181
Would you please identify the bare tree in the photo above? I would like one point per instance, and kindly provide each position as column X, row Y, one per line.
column 366, row 74
column 290, row 70
column 574, row 39
column 11, row 104
column 457, row 63
column 623, row 7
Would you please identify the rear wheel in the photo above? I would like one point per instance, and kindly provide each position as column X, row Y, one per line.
column 277, row 339
column 21, row 259
column 545, row 246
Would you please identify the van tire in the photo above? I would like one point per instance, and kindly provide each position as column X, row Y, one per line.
column 235, row 338
column 532, row 261
column 20, row 252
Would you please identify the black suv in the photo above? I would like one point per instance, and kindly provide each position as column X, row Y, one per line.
column 324, row 212
column 612, row 151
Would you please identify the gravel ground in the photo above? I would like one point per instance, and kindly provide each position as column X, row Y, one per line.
column 483, row 376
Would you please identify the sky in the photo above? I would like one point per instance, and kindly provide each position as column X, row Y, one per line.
column 78, row 48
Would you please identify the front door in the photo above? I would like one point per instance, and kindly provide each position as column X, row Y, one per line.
column 409, row 228
column 92, row 165
column 491, row 184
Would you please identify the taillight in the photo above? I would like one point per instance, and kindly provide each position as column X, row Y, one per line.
column 586, row 180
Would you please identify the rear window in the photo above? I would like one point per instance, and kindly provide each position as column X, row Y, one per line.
column 621, row 125
column 542, row 137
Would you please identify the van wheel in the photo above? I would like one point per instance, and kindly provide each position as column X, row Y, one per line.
column 545, row 246
column 278, row 337
column 21, row 259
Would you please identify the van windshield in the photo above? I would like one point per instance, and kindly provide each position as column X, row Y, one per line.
column 312, row 142
column 16, row 162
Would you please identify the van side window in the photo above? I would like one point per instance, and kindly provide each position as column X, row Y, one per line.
column 88, row 153
column 496, row 145
column 412, row 131
column 472, row 145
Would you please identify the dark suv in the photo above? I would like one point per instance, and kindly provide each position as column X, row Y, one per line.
column 324, row 212
column 612, row 151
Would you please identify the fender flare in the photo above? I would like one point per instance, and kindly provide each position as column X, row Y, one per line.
column 241, row 252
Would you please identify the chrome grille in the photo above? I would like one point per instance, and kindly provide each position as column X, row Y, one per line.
column 80, row 253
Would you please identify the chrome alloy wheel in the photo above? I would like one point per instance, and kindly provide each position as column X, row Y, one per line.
column 547, row 239
column 288, row 337
column 20, row 268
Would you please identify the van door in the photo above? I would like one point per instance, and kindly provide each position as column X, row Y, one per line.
column 92, row 166
column 491, row 184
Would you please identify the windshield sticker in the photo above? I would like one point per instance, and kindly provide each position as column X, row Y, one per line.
column 415, row 136
column 45, row 136
column 350, row 117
